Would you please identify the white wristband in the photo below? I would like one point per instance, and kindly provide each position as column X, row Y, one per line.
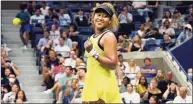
column 93, row 52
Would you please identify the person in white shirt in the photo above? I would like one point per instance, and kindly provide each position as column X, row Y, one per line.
column 142, row 31
column 125, row 17
column 62, row 48
column 54, row 33
column 71, row 61
column 10, row 96
column 183, row 98
column 131, row 96
column 132, row 69
column 67, row 41
column 167, row 28
column 44, row 9
column 37, row 18
column 64, row 19
column 123, row 65
column 62, row 73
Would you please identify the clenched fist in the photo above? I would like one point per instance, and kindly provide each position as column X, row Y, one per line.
column 88, row 46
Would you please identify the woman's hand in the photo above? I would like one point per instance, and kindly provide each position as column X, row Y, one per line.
column 88, row 46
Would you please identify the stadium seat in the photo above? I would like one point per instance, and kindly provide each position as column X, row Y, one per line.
column 138, row 18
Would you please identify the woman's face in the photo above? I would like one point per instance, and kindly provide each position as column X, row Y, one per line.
column 142, row 80
column 173, row 87
column 15, row 88
column 20, row 95
column 159, row 73
column 167, row 14
column 138, row 75
column 101, row 20
column 152, row 101
column 53, row 27
column 71, row 29
column 131, row 62
column 153, row 83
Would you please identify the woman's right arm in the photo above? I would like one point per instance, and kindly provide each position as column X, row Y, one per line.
column 130, row 45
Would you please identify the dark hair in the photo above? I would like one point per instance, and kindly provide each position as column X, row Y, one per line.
column 16, row 85
column 71, row 69
column 128, row 80
column 165, row 14
column 120, row 55
column 130, row 84
column 12, row 74
column 155, row 98
column 22, row 6
column 51, row 9
column 147, row 59
column 166, row 21
column 145, row 84
column 24, row 96
column 44, row 2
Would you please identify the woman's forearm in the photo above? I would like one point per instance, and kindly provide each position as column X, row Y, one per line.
column 108, row 62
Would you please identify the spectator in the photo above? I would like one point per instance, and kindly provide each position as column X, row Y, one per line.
column 125, row 17
column 37, row 18
column 159, row 75
column 81, row 75
column 76, row 48
column 186, row 34
column 167, row 16
column 21, row 95
column 135, row 81
column 32, row 8
column 123, row 87
column 72, row 60
column 10, row 96
column 120, row 76
column 162, row 85
column 190, row 73
column 44, row 9
column 60, row 74
column 130, row 96
column 189, row 17
column 54, row 33
column 153, row 100
column 153, row 33
column 166, row 28
column 142, row 86
column 25, row 26
column 64, row 19
column 72, row 31
column 18, row 101
column 62, row 48
column 67, row 41
column 153, row 90
column 76, row 98
column 136, row 44
column 9, row 82
column 81, row 19
column 51, row 18
column 132, row 69
column 152, row 6
column 142, row 31
column 167, row 43
column 183, row 97
column 148, row 70
column 171, row 92
column 48, row 65
column 43, row 41
column 123, row 44
column 176, row 20
column 123, row 65
column 6, row 76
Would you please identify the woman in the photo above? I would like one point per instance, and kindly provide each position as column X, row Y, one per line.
column 100, row 84
column 142, row 31
column 120, row 76
column 72, row 31
column 135, row 81
column 21, row 95
column 10, row 96
column 142, row 86
column 136, row 44
column 153, row 100
column 54, row 33
column 159, row 75
column 171, row 92
column 167, row 16
column 123, row 86
column 132, row 69
column 153, row 90
column 176, row 20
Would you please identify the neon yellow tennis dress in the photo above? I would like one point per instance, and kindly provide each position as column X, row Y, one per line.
column 100, row 82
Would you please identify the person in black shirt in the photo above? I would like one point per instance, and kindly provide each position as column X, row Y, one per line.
column 8, row 82
column 171, row 92
column 32, row 8
column 81, row 19
column 166, row 42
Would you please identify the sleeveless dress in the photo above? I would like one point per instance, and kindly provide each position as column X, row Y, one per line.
column 100, row 82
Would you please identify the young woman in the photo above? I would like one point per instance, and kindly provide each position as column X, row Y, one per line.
column 21, row 95
column 153, row 90
column 136, row 44
column 171, row 92
column 101, row 51
column 142, row 86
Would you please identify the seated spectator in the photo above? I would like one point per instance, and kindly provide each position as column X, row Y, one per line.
column 48, row 65
column 76, row 48
column 135, row 81
column 183, row 97
column 189, row 17
column 60, row 74
column 37, row 18
column 153, row 100
column 171, row 92
column 6, row 76
column 67, row 41
column 64, row 19
column 72, row 31
column 153, row 90
column 122, row 44
column 162, row 85
column 130, row 96
column 125, row 17
column 81, row 19
column 120, row 76
column 123, row 87
column 132, row 69
column 18, row 101
column 153, row 33
column 149, row 71
column 153, row 7
column 167, row 16
column 142, row 31
column 32, row 8
column 21, row 95
column 72, row 60
column 51, row 18
column 166, row 28
column 185, row 34
column 43, row 41
column 81, row 75
column 54, row 33
column 44, row 9
column 142, row 86
column 160, row 75
column 10, row 96
column 122, row 65
column 136, row 44
column 76, row 98
column 167, row 43
column 190, row 73
column 176, row 20
column 8, row 82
